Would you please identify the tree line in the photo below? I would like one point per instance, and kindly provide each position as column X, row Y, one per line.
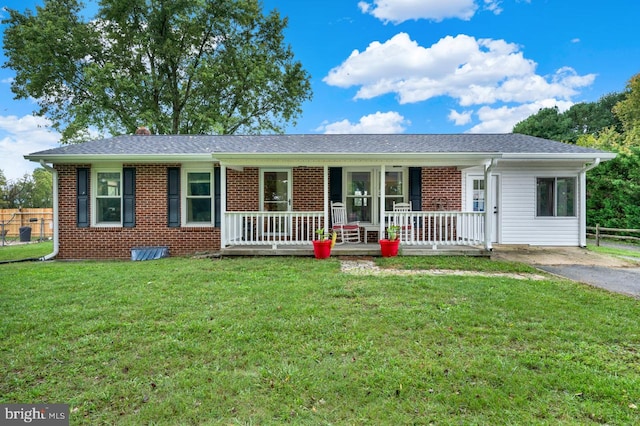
column 612, row 124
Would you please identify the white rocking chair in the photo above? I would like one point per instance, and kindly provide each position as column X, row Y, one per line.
column 349, row 232
column 403, row 222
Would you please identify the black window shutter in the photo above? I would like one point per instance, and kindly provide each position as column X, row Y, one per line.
column 216, row 197
column 415, row 188
column 173, row 196
column 335, row 184
column 82, row 197
column 128, row 197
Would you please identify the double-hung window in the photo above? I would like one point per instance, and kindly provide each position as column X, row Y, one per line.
column 198, row 198
column 556, row 197
column 108, row 198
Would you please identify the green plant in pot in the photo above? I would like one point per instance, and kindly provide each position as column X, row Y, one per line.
column 389, row 246
column 323, row 244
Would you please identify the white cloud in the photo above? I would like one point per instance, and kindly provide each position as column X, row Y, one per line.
column 473, row 71
column 398, row 11
column 502, row 119
column 493, row 6
column 380, row 122
column 460, row 118
column 485, row 73
column 20, row 136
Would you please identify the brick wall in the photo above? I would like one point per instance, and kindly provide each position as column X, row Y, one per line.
column 441, row 189
column 243, row 189
column 151, row 221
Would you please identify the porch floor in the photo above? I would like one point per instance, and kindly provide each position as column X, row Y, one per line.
column 361, row 249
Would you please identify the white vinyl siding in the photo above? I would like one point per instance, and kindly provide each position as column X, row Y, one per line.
column 520, row 225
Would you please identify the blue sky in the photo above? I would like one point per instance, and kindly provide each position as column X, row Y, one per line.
column 420, row 66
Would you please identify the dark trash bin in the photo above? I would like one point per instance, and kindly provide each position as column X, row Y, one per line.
column 25, row 234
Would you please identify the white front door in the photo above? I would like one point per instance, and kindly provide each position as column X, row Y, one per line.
column 476, row 201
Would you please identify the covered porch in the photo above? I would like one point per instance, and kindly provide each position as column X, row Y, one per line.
column 287, row 230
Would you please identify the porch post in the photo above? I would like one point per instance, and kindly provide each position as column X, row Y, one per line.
column 381, row 202
column 325, row 191
column 582, row 209
column 223, row 205
column 488, row 205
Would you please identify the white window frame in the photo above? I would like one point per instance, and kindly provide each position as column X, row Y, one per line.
column 375, row 188
column 185, row 171
column 555, row 197
column 95, row 196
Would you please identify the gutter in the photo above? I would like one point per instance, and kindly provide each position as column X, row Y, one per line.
column 56, row 240
column 593, row 165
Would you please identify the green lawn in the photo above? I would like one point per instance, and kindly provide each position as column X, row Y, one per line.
column 294, row 340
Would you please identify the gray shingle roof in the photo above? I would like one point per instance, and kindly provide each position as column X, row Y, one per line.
column 131, row 145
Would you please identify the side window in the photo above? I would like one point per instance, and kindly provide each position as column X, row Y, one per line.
column 198, row 197
column 107, row 197
column 556, row 197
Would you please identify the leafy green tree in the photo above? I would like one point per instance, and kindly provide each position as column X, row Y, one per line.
column 628, row 110
column 30, row 191
column 613, row 188
column 581, row 119
column 178, row 67
column 547, row 123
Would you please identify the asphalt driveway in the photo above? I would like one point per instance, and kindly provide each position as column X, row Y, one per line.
column 605, row 271
column 619, row 280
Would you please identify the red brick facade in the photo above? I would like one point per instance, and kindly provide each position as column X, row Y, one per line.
column 441, row 190
column 151, row 221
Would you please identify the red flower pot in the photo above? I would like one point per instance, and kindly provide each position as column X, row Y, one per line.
column 322, row 249
column 389, row 248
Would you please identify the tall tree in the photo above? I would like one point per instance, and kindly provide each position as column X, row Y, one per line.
column 581, row 119
column 176, row 66
column 547, row 123
column 30, row 191
column 628, row 110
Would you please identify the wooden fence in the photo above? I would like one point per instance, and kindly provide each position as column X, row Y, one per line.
column 599, row 232
column 39, row 220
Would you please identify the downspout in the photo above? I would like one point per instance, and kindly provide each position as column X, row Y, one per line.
column 583, row 200
column 224, row 240
column 488, row 204
column 56, row 240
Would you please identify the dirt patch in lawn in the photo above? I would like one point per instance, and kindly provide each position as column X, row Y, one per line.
column 368, row 267
column 558, row 256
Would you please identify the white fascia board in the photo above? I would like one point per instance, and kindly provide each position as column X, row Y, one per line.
column 343, row 159
column 588, row 156
column 120, row 158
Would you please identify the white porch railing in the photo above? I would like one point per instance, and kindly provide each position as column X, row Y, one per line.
column 299, row 228
column 438, row 228
column 271, row 228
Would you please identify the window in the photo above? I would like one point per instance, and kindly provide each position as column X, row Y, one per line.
column 363, row 190
column 198, row 197
column 393, row 189
column 478, row 195
column 556, row 197
column 108, row 199
column 359, row 196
